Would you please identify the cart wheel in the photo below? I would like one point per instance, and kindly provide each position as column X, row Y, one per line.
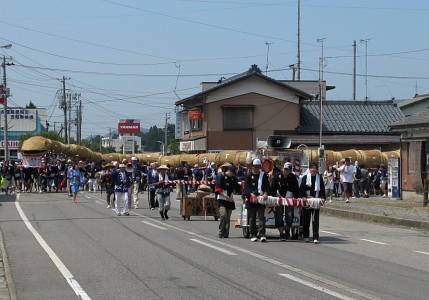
column 216, row 218
column 246, row 232
column 189, row 218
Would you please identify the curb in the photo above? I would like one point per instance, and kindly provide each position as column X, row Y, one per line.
column 7, row 287
column 374, row 218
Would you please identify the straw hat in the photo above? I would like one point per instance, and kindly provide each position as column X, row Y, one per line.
column 227, row 164
column 163, row 167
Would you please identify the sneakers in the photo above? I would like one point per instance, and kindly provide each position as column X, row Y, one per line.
column 282, row 238
column 384, row 196
column 152, row 208
column 330, row 201
column 254, row 239
column 347, row 201
column 108, row 206
column 220, row 235
column 316, row 241
column 136, row 207
column 118, row 214
column 126, row 213
column 263, row 239
column 165, row 214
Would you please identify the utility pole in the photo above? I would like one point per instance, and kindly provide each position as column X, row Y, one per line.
column 321, row 62
column 365, row 41
column 354, row 70
column 63, row 105
column 79, row 123
column 5, row 95
column 110, row 136
column 70, row 119
column 5, row 130
column 165, row 132
column 298, row 65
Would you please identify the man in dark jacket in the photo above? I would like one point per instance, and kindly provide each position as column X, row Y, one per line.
column 256, row 184
column 312, row 186
column 226, row 186
column 284, row 184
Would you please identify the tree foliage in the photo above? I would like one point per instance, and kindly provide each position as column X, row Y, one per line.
column 30, row 105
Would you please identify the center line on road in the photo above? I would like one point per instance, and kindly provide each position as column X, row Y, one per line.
column 317, row 287
column 421, row 252
column 213, row 247
column 375, row 242
column 267, row 259
column 328, row 232
column 156, row 226
column 79, row 291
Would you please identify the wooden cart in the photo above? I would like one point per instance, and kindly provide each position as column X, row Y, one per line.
column 200, row 205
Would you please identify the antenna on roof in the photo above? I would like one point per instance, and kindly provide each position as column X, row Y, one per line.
column 268, row 52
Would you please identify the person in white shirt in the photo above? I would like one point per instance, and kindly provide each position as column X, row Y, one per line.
column 347, row 171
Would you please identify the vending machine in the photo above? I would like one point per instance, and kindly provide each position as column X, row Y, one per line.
column 394, row 174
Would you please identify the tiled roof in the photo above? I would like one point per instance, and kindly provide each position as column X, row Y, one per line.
column 242, row 76
column 349, row 116
column 416, row 99
column 419, row 119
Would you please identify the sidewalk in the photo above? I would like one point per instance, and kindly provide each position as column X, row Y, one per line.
column 381, row 210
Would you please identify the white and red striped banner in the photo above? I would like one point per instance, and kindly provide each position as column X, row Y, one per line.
column 190, row 181
column 315, row 203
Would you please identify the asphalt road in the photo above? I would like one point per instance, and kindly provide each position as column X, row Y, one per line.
column 84, row 249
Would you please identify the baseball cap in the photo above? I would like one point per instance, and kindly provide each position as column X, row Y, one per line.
column 288, row 166
column 257, row 162
column 121, row 166
column 133, row 158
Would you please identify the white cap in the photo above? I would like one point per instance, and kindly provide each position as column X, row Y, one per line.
column 133, row 158
column 257, row 162
column 121, row 166
column 212, row 164
column 288, row 166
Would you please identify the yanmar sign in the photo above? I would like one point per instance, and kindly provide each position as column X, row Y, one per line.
column 126, row 126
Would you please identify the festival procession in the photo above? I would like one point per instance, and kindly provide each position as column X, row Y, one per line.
column 273, row 194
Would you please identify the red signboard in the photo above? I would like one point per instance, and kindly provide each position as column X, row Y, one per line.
column 195, row 115
column 130, row 126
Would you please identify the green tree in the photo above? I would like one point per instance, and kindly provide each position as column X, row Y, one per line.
column 30, row 105
column 152, row 137
column 173, row 146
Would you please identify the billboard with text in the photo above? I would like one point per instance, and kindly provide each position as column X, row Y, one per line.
column 127, row 126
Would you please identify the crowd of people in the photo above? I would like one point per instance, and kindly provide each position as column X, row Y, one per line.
column 124, row 181
column 354, row 181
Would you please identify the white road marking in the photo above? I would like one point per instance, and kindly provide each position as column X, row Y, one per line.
column 317, row 287
column 80, row 292
column 268, row 260
column 156, row 226
column 375, row 242
column 421, row 252
column 213, row 247
column 99, row 202
column 328, row 232
column 86, row 196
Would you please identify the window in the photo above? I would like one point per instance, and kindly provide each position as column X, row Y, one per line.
column 196, row 124
column 237, row 117
column 185, row 123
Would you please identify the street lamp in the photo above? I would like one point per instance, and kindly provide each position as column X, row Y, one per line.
column 163, row 147
column 4, row 96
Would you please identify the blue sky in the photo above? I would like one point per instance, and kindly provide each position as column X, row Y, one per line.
column 134, row 59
